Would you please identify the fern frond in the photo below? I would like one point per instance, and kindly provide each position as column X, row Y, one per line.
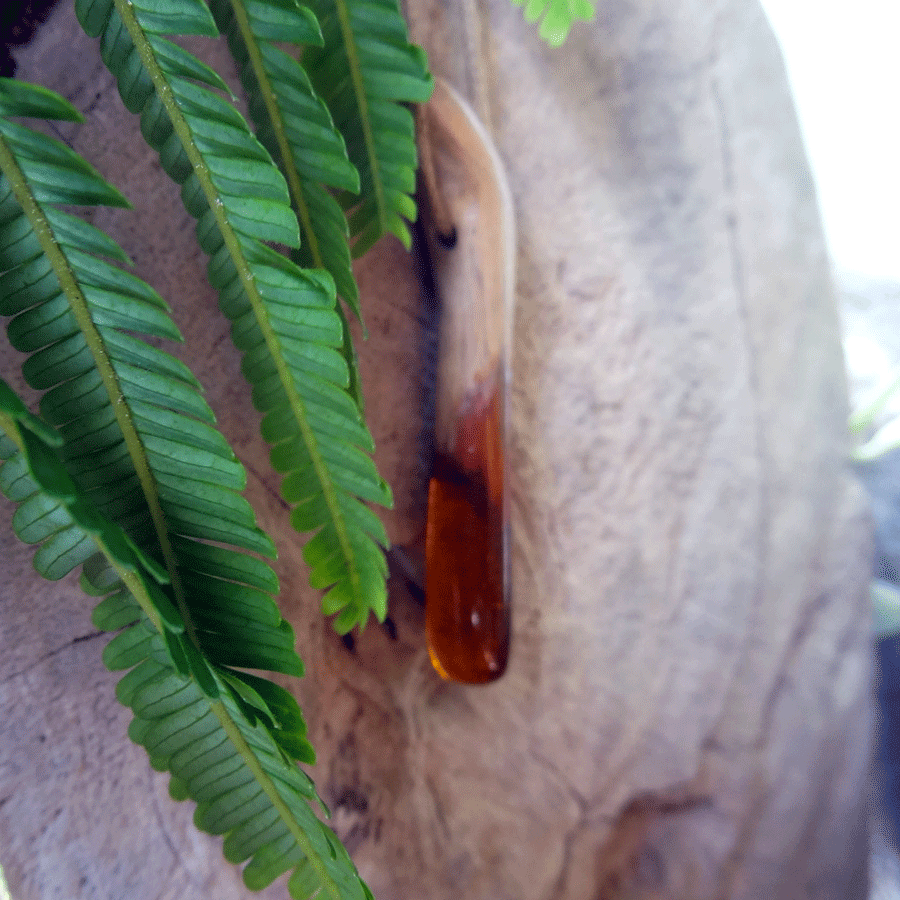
column 136, row 428
column 54, row 513
column 294, row 125
column 557, row 16
column 283, row 317
column 228, row 738
column 365, row 70
column 132, row 413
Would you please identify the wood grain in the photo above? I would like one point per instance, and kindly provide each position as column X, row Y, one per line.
column 686, row 709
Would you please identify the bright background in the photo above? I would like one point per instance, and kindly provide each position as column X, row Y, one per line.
column 844, row 66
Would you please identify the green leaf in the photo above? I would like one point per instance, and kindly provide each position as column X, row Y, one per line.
column 16, row 410
column 365, row 70
column 32, row 101
column 237, row 769
column 128, row 648
column 284, row 318
column 131, row 415
column 56, row 174
column 117, row 611
column 558, row 16
column 290, row 726
column 296, row 128
column 201, row 744
column 129, row 412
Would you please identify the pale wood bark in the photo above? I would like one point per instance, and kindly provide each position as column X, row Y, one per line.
column 686, row 710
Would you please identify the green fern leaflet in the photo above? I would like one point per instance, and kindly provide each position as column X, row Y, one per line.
column 365, row 71
column 283, row 318
column 137, row 469
column 211, row 732
column 557, row 16
column 294, row 125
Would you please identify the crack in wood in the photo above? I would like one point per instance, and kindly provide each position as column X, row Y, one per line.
column 93, row 635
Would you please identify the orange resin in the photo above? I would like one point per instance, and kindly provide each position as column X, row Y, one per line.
column 466, row 583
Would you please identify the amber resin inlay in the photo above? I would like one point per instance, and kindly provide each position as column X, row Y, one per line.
column 467, row 605
column 470, row 233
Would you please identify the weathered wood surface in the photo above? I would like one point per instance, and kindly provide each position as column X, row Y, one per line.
column 686, row 712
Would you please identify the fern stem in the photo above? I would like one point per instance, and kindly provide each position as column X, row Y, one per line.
column 135, row 587
column 95, row 343
column 266, row 783
column 288, row 168
column 232, row 242
column 355, row 69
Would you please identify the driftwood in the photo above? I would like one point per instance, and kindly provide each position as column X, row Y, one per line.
column 686, row 709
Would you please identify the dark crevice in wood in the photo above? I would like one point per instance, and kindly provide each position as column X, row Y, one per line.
column 19, row 20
